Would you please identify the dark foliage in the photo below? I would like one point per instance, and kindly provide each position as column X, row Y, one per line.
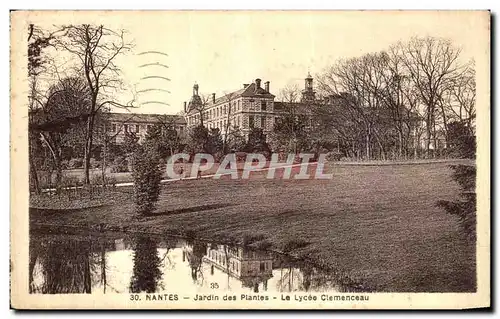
column 465, row 208
column 119, row 165
column 257, row 143
column 66, row 266
column 147, row 175
column 146, row 271
column 461, row 141
column 130, row 142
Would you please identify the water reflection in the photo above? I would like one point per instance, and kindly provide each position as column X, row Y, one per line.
column 146, row 272
column 74, row 264
column 251, row 267
column 63, row 266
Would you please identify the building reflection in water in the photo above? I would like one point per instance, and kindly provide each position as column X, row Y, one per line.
column 251, row 267
column 72, row 264
column 193, row 253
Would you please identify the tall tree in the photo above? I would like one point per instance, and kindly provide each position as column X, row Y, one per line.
column 432, row 63
column 236, row 140
column 59, row 117
column 96, row 48
column 38, row 41
column 257, row 143
column 146, row 272
column 290, row 128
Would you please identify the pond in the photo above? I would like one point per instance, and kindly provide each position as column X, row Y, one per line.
column 104, row 264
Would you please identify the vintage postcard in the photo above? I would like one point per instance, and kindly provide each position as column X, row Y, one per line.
column 250, row 159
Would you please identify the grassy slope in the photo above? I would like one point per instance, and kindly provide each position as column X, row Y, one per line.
column 376, row 223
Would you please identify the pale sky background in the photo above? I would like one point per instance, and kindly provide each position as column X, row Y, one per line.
column 222, row 50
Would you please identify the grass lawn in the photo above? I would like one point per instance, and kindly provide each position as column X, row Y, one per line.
column 376, row 224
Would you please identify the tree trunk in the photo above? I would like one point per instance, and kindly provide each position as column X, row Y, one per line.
column 56, row 156
column 87, row 285
column 428, row 132
column 87, row 150
column 33, row 173
column 103, row 269
column 434, row 138
column 103, row 164
column 57, row 161
column 400, row 147
column 445, row 124
column 368, row 144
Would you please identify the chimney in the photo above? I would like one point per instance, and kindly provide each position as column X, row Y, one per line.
column 257, row 84
column 185, row 106
column 213, row 98
column 245, row 85
column 266, row 86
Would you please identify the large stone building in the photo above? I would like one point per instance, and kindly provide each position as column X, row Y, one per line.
column 120, row 123
column 253, row 106
column 251, row 267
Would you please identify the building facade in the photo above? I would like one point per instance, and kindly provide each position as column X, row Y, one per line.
column 253, row 106
column 121, row 123
column 251, row 267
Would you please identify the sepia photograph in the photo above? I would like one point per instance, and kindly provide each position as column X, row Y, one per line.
column 250, row 159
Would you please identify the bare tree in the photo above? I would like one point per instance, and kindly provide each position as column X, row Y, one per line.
column 57, row 118
column 432, row 64
column 287, row 129
column 460, row 98
column 358, row 84
column 38, row 41
column 96, row 49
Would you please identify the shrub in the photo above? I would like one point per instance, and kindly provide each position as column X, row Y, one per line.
column 96, row 179
column 65, row 164
column 465, row 208
column 69, row 181
column 110, row 181
column 333, row 156
column 75, row 163
column 94, row 163
column 147, row 176
column 461, row 141
column 120, row 165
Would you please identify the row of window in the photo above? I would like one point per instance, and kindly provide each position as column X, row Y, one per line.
column 223, row 110
column 233, row 265
column 135, row 128
column 252, row 120
column 222, row 261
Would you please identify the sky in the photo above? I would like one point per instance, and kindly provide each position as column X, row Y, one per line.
column 220, row 51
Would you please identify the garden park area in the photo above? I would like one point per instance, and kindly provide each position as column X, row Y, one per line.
column 376, row 224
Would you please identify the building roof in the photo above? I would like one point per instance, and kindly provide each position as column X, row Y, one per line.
column 248, row 91
column 147, row 118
